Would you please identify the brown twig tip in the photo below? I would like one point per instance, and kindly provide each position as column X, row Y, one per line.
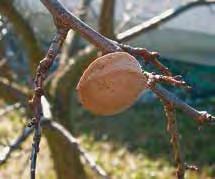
column 154, row 78
column 150, row 57
column 172, row 129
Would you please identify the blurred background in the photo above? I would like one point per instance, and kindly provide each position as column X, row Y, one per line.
column 130, row 145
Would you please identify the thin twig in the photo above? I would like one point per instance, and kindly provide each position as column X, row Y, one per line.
column 26, row 132
column 21, row 90
column 66, row 20
column 156, row 21
column 59, row 11
column 174, row 135
column 154, row 78
column 35, row 102
column 200, row 116
column 8, row 150
column 9, row 108
column 148, row 56
column 74, row 142
column 107, row 45
column 191, row 167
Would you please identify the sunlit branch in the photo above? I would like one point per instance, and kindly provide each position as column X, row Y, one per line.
column 9, row 109
column 26, row 132
column 64, row 20
column 157, row 21
column 8, row 150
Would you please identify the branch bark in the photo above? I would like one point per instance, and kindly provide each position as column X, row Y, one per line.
column 9, row 108
column 157, row 21
column 172, row 129
column 51, row 128
column 58, row 11
column 75, row 144
column 73, row 39
column 107, row 45
column 200, row 116
column 66, row 20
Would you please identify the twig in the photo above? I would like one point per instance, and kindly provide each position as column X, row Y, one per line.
column 65, row 20
column 154, row 78
column 73, row 141
column 26, row 132
column 200, row 116
column 148, row 56
column 191, row 167
column 59, row 12
column 8, row 150
column 173, row 131
column 12, row 92
column 35, row 102
column 156, row 21
column 17, row 88
column 9, row 108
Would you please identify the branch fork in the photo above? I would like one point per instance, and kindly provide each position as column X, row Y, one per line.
column 154, row 78
column 65, row 20
column 35, row 102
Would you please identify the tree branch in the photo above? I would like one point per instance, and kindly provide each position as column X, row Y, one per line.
column 15, row 145
column 58, row 11
column 9, row 108
column 106, row 19
column 40, row 76
column 151, row 57
column 49, row 124
column 65, row 82
column 73, row 141
column 73, row 39
column 107, row 45
column 172, row 129
column 156, row 21
column 65, row 20
column 200, row 116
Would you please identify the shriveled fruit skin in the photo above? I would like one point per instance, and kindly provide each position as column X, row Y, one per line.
column 111, row 84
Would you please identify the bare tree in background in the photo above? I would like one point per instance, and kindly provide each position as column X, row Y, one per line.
column 59, row 87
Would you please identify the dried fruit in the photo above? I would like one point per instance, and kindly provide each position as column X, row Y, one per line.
column 111, row 84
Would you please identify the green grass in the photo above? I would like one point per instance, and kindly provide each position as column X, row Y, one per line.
column 140, row 133
column 131, row 145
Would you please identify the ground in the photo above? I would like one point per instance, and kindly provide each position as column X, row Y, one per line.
column 132, row 145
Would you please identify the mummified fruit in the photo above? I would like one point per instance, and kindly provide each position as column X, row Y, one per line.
column 111, row 84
